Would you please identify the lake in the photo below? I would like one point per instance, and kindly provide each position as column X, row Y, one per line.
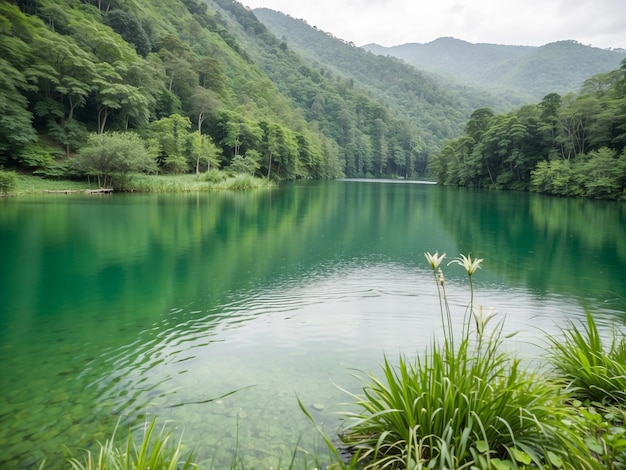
column 124, row 307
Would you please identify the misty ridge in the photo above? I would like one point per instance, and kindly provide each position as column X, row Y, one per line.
column 518, row 74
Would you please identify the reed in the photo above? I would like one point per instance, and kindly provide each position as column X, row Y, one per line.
column 154, row 451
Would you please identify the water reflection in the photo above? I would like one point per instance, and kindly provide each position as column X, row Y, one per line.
column 548, row 245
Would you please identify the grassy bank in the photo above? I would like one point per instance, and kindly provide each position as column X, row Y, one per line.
column 28, row 184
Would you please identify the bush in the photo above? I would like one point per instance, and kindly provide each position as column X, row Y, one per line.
column 40, row 155
column 8, row 182
column 112, row 157
column 214, row 176
column 244, row 165
column 595, row 375
column 242, row 182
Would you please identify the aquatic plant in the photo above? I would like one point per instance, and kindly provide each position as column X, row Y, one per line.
column 154, row 451
column 591, row 369
column 465, row 406
column 594, row 373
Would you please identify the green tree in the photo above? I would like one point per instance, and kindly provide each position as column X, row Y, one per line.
column 604, row 174
column 205, row 104
column 128, row 26
column 16, row 128
column 113, row 157
column 204, row 151
column 575, row 119
column 113, row 92
column 172, row 135
column 64, row 75
column 247, row 164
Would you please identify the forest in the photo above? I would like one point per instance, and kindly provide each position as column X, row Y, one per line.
column 572, row 145
column 168, row 72
column 184, row 88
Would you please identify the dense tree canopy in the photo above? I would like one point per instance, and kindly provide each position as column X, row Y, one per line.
column 374, row 140
column 70, row 69
column 573, row 145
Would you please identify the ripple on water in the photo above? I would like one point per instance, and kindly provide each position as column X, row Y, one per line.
column 272, row 345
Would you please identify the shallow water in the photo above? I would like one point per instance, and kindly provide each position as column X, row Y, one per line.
column 119, row 308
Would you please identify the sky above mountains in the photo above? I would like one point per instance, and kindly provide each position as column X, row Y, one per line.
column 598, row 23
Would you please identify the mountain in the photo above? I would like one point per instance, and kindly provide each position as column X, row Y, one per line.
column 559, row 67
column 373, row 138
column 197, row 81
column 439, row 107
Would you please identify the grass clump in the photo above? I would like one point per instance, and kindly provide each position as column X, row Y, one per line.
column 213, row 181
column 464, row 404
column 154, row 451
column 8, row 181
column 595, row 374
column 215, row 176
column 591, row 369
column 33, row 184
column 243, row 182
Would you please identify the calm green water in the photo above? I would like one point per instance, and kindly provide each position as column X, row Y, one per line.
column 127, row 306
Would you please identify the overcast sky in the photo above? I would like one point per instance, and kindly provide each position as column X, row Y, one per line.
column 599, row 23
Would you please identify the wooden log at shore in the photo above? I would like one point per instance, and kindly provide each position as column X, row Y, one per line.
column 99, row 191
column 86, row 191
column 61, row 191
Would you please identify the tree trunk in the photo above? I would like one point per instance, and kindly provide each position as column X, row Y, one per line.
column 103, row 114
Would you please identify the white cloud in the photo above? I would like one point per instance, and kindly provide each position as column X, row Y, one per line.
column 601, row 23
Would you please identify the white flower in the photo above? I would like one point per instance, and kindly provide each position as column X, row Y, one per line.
column 434, row 260
column 470, row 265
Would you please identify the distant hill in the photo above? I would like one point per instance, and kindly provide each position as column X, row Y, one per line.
column 559, row 67
column 440, row 107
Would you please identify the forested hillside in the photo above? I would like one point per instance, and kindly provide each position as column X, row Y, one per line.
column 373, row 138
column 527, row 72
column 188, row 86
column 184, row 86
column 169, row 71
column 437, row 107
column 571, row 145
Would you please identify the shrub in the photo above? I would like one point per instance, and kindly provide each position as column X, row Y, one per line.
column 112, row 157
column 243, row 165
column 242, row 182
column 40, row 155
column 215, row 176
column 8, row 182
